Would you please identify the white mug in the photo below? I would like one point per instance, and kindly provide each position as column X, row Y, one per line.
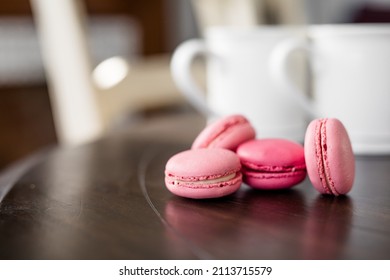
column 238, row 79
column 350, row 72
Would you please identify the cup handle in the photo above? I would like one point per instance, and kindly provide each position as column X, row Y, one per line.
column 279, row 74
column 181, row 61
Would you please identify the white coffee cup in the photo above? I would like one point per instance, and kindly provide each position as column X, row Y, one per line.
column 238, row 78
column 350, row 72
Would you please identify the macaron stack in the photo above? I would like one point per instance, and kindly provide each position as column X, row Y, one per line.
column 226, row 154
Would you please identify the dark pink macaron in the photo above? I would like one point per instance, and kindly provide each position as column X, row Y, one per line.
column 329, row 156
column 203, row 173
column 272, row 164
column 227, row 133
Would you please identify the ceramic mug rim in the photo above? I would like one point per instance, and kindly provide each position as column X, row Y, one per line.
column 221, row 32
column 250, row 32
column 356, row 29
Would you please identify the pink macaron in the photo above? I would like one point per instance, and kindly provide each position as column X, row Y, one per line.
column 203, row 173
column 329, row 156
column 227, row 133
column 272, row 164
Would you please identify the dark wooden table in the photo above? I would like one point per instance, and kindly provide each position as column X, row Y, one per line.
column 107, row 200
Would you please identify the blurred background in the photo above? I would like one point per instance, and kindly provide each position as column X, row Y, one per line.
column 144, row 33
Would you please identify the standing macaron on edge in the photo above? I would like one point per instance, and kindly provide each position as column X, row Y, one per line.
column 329, row 157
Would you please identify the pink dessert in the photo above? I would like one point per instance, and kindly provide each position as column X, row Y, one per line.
column 203, row 173
column 272, row 164
column 227, row 133
column 329, row 157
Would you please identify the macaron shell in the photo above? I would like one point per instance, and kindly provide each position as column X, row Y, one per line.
column 339, row 161
column 202, row 164
column 227, row 133
column 272, row 163
column 313, row 156
column 188, row 173
column 233, row 137
column 329, row 157
column 272, row 152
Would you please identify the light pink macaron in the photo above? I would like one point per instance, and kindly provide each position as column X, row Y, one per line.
column 227, row 133
column 272, row 164
column 203, row 173
column 329, row 157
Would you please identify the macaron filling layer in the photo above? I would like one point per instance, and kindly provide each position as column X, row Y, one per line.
column 209, row 181
column 201, row 182
column 251, row 167
column 289, row 172
column 322, row 158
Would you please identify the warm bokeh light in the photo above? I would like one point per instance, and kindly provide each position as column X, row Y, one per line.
column 110, row 72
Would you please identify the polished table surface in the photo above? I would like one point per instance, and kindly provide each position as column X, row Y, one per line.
column 107, row 200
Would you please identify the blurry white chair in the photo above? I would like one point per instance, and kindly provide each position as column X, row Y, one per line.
column 85, row 102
